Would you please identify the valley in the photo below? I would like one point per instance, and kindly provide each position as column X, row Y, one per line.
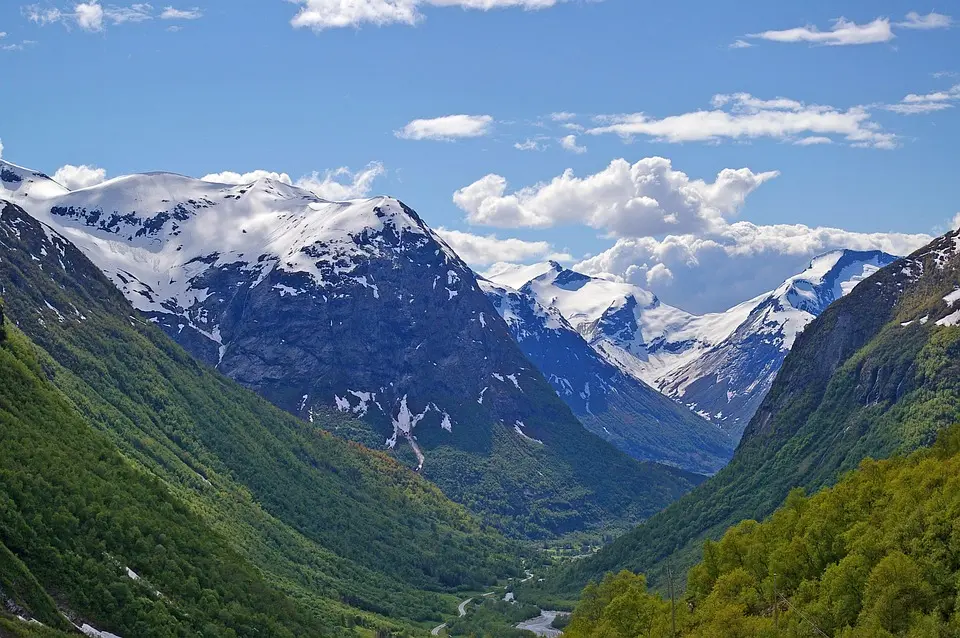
column 479, row 319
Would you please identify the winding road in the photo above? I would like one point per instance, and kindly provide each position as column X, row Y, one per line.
column 461, row 609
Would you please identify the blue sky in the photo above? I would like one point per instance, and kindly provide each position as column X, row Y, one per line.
column 278, row 85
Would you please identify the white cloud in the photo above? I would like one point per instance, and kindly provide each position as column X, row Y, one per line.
column 134, row 13
column 42, row 16
column 478, row 250
column 528, row 145
column 813, row 140
column 740, row 44
column 89, row 16
column 230, row 177
column 626, row 200
column 335, row 185
column 1, row 149
column 343, row 184
column 915, row 104
column 170, row 13
column 712, row 271
column 930, row 21
column 569, row 143
column 83, row 176
column 328, row 14
column 743, row 116
column 562, row 116
column 954, row 223
column 843, row 32
column 447, row 128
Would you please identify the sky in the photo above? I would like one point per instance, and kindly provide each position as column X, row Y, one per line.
column 702, row 150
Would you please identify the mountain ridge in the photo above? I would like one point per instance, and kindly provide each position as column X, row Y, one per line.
column 720, row 365
column 636, row 418
column 322, row 521
column 876, row 374
column 358, row 307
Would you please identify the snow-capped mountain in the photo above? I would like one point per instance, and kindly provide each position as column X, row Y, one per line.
column 625, row 411
column 719, row 365
column 199, row 258
column 359, row 307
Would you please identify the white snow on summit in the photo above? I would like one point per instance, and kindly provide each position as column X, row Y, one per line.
column 154, row 234
column 726, row 359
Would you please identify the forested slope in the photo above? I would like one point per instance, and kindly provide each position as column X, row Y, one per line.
column 877, row 555
column 335, row 532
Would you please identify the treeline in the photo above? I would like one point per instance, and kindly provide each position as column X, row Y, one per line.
column 878, row 555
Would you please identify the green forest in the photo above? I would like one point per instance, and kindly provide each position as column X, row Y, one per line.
column 877, row 555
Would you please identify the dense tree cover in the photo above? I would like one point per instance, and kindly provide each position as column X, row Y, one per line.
column 77, row 515
column 330, row 532
column 15, row 628
column 877, row 555
column 872, row 376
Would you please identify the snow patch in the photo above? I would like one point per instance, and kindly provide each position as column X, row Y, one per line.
column 952, row 298
column 518, row 427
column 952, row 319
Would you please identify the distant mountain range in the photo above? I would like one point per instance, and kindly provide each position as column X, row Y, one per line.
column 875, row 374
column 357, row 307
column 610, row 403
column 719, row 365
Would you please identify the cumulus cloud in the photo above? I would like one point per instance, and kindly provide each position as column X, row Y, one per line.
column 342, row 183
column 329, row 14
column 562, row 116
column 1, row 149
column 714, row 270
column 479, row 250
column 335, row 185
column 743, row 116
column 915, row 104
column 230, row 177
column 645, row 198
column 447, row 128
column 954, row 223
column 843, row 32
column 569, row 143
column 89, row 16
column 83, row 176
column 171, row 13
column 930, row 21
column 740, row 44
